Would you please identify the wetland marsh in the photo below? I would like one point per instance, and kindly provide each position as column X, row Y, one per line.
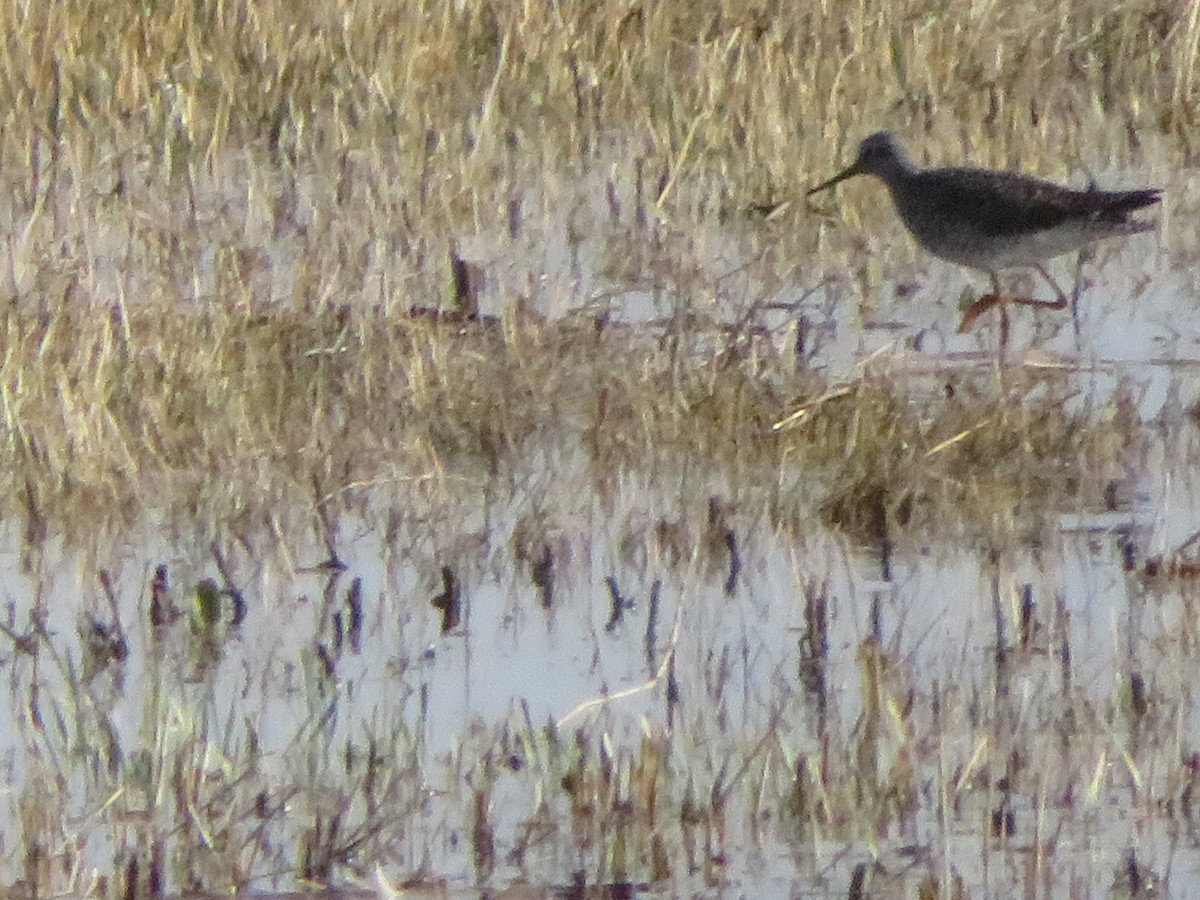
column 445, row 455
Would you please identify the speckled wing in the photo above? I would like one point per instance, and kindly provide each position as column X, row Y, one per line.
column 1002, row 204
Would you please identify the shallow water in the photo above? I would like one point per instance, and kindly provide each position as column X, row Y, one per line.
column 737, row 669
column 1075, row 731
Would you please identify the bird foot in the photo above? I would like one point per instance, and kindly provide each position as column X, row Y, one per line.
column 977, row 309
column 972, row 313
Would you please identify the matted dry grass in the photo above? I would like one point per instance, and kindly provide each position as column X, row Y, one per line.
column 110, row 417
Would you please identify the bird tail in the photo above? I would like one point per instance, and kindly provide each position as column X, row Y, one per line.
column 1128, row 201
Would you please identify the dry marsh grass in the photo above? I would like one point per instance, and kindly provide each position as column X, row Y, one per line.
column 717, row 86
column 208, row 411
column 220, row 212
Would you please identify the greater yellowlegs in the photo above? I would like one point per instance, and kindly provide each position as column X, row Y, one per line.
column 995, row 220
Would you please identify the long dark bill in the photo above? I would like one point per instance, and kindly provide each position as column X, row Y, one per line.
column 836, row 179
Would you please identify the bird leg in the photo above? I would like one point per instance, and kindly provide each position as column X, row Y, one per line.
column 995, row 298
column 983, row 304
column 1060, row 302
column 978, row 308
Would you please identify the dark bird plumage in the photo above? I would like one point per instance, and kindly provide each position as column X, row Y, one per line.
column 994, row 220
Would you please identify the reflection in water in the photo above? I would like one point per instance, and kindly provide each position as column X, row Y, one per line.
column 642, row 671
column 698, row 696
